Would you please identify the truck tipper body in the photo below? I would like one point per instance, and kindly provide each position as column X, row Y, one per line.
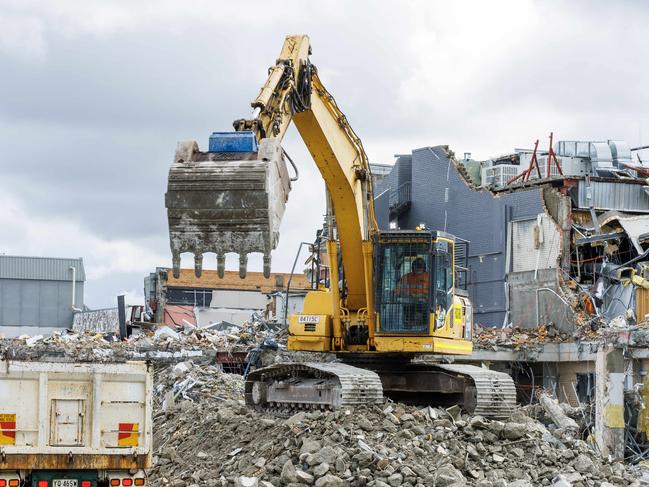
column 75, row 424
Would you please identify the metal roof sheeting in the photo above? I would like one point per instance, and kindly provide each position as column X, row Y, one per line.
column 40, row 268
column 622, row 196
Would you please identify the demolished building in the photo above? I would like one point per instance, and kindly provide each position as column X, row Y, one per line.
column 558, row 245
column 532, row 240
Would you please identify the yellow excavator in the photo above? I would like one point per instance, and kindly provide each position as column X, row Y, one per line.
column 388, row 296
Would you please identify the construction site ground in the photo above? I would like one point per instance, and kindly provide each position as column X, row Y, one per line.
column 204, row 435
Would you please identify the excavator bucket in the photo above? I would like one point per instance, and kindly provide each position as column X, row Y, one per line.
column 229, row 199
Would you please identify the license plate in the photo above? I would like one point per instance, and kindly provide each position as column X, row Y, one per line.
column 65, row 483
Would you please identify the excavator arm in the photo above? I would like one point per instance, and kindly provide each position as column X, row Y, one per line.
column 220, row 202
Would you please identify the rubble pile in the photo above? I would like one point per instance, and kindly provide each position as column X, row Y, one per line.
column 587, row 329
column 161, row 342
column 186, row 381
column 515, row 337
column 206, row 436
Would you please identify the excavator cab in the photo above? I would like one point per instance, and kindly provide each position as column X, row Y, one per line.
column 414, row 281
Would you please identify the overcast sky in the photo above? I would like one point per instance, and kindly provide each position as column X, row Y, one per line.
column 94, row 96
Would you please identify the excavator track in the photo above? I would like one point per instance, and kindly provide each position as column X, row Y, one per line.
column 494, row 393
column 284, row 388
column 310, row 385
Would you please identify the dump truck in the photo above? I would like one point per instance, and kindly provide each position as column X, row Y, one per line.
column 68, row 424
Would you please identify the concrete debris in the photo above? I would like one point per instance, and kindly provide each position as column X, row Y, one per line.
column 518, row 337
column 588, row 329
column 31, row 341
column 554, row 410
column 165, row 332
column 159, row 343
column 208, row 437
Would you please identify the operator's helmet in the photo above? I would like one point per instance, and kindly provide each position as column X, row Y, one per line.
column 419, row 264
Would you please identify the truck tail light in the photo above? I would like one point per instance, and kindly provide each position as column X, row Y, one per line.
column 3, row 483
column 86, row 483
column 114, row 481
column 42, row 483
column 127, row 482
column 14, row 483
column 139, row 481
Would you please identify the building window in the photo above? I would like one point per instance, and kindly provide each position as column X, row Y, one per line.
column 585, row 387
column 195, row 297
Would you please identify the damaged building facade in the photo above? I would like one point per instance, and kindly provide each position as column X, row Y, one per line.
column 540, row 247
column 558, row 242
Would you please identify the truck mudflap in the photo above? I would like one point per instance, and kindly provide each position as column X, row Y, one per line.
column 222, row 202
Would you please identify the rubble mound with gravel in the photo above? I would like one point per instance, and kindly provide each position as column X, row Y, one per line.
column 206, row 436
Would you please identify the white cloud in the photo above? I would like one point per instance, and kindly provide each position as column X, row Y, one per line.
column 100, row 91
column 452, row 48
column 22, row 36
column 78, row 18
column 25, row 233
column 132, row 296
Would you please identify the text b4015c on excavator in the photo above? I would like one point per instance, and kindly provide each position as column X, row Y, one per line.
column 381, row 298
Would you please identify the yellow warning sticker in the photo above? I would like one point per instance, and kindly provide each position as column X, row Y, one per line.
column 7, row 429
column 128, row 434
column 457, row 314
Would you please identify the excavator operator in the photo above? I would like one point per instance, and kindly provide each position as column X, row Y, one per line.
column 415, row 283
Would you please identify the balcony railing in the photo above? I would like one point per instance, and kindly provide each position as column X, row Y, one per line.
column 400, row 197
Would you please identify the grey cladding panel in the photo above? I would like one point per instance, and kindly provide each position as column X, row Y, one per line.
column 404, row 170
column 40, row 268
column 490, row 268
column 472, row 215
column 10, row 302
column 29, row 302
column 489, row 319
column 37, row 303
column 382, row 209
column 489, row 297
column 524, row 204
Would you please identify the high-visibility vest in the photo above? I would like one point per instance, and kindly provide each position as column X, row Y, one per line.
column 413, row 284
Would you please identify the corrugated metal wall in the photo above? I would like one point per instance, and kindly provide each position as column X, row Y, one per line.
column 41, row 268
column 443, row 200
column 28, row 303
column 37, row 291
column 528, row 252
column 607, row 195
